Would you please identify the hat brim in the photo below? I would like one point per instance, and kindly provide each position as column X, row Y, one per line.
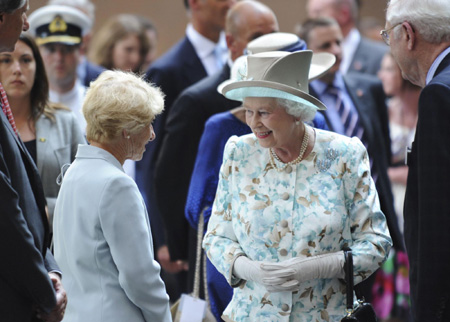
column 60, row 39
column 241, row 89
column 320, row 64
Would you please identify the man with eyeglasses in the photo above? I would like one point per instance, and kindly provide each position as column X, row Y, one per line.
column 418, row 33
column 59, row 31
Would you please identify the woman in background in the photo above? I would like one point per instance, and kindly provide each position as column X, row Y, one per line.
column 121, row 43
column 50, row 131
column 391, row 288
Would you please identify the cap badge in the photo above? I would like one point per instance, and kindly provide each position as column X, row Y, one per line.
column 57, row 25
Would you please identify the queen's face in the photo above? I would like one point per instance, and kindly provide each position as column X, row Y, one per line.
column 139, row 141
column 17, row 71
column 271, row 124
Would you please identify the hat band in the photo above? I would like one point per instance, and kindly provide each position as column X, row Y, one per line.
column 71, row 40
column 239, row 94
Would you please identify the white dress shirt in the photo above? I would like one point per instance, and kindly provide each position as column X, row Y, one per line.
column 349, row 46
column 73, row 99
column 212, row 55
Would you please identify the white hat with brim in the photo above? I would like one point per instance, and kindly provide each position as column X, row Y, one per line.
column 280, row 74
column 59, row 24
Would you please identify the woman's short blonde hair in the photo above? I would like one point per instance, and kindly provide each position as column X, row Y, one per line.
column 119, row 101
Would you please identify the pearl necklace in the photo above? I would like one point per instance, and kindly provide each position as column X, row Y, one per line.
column 303, row 148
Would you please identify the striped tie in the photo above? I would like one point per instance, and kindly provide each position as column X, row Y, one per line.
column 7, row 110
column 350, row 122
column 349, row 118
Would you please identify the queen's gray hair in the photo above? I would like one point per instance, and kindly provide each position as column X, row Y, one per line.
column 305, row 112
column 9, row 6
column 429, row 18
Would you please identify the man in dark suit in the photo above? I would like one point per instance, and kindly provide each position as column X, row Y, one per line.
column 360, row 53
column 419, row 36
column 246, row 21
column 28, row 273
column 184, row 64
column 362, row 95
column 200, row 53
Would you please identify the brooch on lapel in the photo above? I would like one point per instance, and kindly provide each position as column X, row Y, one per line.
column 330, row 156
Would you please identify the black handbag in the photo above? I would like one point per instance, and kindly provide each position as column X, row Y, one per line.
column 363, row 312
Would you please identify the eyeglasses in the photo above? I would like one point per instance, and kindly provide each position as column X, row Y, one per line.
column 385, row 33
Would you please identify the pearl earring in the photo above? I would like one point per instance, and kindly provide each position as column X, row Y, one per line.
column 297, row 122
column 128, row 137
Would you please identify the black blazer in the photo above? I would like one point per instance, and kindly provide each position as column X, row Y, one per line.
column 368, row 97
column 92, row 71
column 24, row 279
column 427, row 202
column 176, row 159
column 177, row 69
column 368, row 56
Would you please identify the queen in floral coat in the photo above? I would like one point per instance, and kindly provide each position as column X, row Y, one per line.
column 289, row 199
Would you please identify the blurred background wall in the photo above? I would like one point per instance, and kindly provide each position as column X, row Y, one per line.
column 170, row 19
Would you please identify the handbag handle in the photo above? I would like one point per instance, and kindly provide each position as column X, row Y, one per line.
column 198, row 260
column 348, row 267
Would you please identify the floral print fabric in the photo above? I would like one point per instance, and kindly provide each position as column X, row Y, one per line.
column 318, row 206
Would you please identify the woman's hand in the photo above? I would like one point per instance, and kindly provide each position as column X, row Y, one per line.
column 277, row 280
column 329, row 265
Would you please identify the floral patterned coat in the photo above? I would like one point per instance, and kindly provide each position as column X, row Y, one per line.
column 318, row 206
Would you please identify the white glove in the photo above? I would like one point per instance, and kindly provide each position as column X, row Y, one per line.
column 277, row 280
column 329, row 265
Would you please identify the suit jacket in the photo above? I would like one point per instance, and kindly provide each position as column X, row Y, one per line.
column 90, row 72
column 26, row 261
column 185, row 124
column 367, row 95
column 368, row 56
column 427, row 204
column 177, row 69
column 104, row 246
column 56, row 143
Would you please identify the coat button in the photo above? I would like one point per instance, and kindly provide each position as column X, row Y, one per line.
column 285, row 307
column 284, row 223
column 285, row 196
column 283, row 252
column 288, row 169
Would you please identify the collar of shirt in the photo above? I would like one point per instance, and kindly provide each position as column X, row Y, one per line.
column 204, row 48
column 436, row 64
column 329, row 100
column 320, row 87
column 349, row 46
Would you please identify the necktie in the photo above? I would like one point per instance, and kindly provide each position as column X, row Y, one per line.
column 350, row 122
column 349, row 118
column 218, row 55
column 7, row 110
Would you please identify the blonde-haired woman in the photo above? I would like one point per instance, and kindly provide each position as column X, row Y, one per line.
column 121, row 43
column 102, row 234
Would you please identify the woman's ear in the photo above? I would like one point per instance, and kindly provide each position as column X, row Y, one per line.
column 125, row 134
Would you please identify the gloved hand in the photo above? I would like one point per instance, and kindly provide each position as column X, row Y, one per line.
column 329, row 265
column 277, row 280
